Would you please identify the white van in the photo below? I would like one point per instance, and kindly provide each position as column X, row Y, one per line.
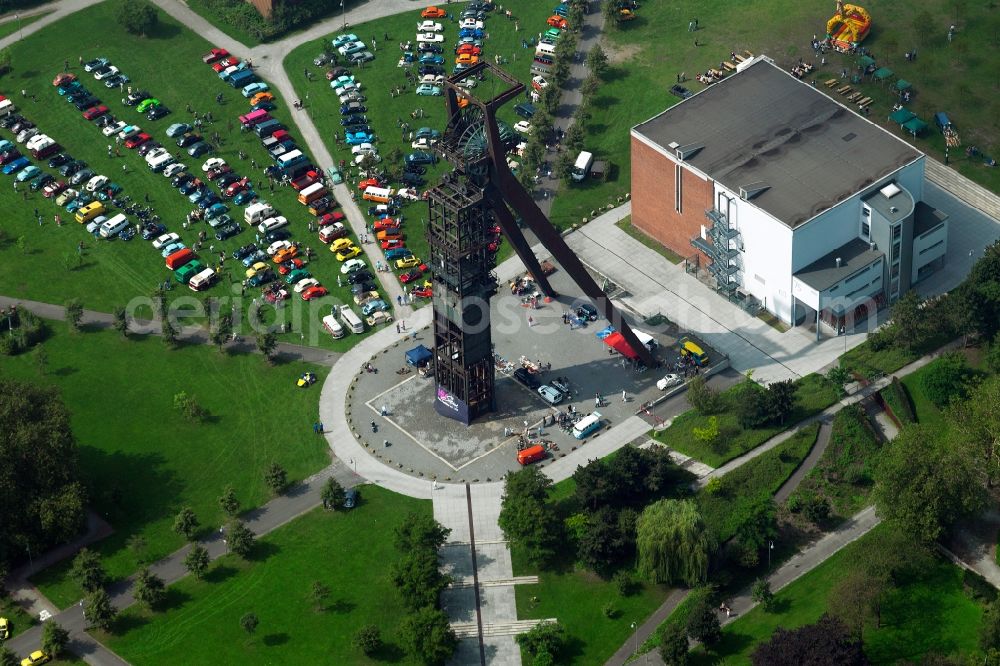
column 258, row 212
column 160, row 162
column 546, row 50
column 377, row 194
column 333, row 327
column 351, row 320
column 6, row 107
column 202, row 280
column 646, row 339
column 38, row 142
column 113, row 226
column 587, row 425
column 582, row 165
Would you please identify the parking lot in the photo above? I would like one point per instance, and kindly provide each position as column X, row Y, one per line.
column 422, row 442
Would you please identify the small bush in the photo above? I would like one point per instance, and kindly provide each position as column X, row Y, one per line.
column 625, row 583
column 898, row 400
column 944, row 380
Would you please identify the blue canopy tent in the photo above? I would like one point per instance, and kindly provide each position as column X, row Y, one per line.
column 418, row 356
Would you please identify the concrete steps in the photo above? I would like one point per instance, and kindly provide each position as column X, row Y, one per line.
column 467, row 581
column 471, row 630
column 971, row 193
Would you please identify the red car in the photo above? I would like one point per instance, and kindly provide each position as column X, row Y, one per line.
column 369, row 182
column 213, row 55
column 236, row 187
column 315, row 291
column 410, row 276
column 290, row 266
column 226, row 63
column 557, row 21
column 302, row 182
column 95, row 112
column 422, row 292
column 219, row 171
column 394, row 243
column 9, row 156
column 385, row 224
column 53, row 189
column 137, row 140
column 469, row 49
column 329, row 218
column 62, row 79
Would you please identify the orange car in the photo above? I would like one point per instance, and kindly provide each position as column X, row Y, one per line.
column 389, row 234
column 261, row 97
column 433, row 12
column 557, row 22
column 466, row 59
column 289, row 253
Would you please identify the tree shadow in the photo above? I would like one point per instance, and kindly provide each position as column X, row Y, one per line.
column 219, row 574
column 390, row 652
column 174, row 599
column 127, row 622
column 65, row 371
column 164, row 31
column 340, row 606
column 272, row 640
column 262, row 550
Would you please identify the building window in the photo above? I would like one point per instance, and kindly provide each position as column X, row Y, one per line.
column 928, row 249
column 678, row 179
column 866, row 230
column 897, row 232
column 895, row 271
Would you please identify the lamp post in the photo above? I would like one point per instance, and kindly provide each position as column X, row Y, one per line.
column 770, row 547
column 635, row 634
column 20, row 35
column 343, row 13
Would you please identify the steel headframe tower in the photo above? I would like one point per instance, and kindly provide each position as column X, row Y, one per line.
column 461, row 209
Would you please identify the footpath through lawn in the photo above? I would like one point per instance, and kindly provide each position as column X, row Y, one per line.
column 349, row 552
column 142, row 460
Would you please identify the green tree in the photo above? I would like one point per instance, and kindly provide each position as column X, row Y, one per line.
column 605, row 542
column 249, row 623
column 367, row 639
column 944, row 379
column 978, row 421
column 168, row 332
column 564, row 165
column 158, row 301
column 702, row 397
column 188, row 406
column 138, row 545
column 752, row 409
column 276, row 478
column 610, row 11
column 524, row 517
column 137, row 17
column 186, row 523
column 979, row 295
column 922, row 483
column 428, row 636
column 674, row 645
column 857, row 598
column 240, row 538
column 55, row 638
column 41, row 358
column 121, row 321
column 597, row 60
column 418, row 578
column 673, row 542
column 420, row 532
column 8, row 658
column 221, row 331
column 318, row 594
column 709, row 433
column 98, row 610
column 780, row 400
column 825, row 643
column 761, row 593
column 756, row 525
column 6, row 58
column 197, row 560
column 74, row 314
column 229, row 503
column 544, row 638
column 333, row 494
column 989, row 629
column 909, row 323
column 573, row 140
column 703, row 623
column 840, row 375
column 149, row 589
column 87, row 570
column 267, row 343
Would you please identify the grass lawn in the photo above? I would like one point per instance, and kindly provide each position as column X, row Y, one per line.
column 112, row 273
column 647, row 55
column 12, row 26
column 625, row 224
column 926, row 411
column 577, row 598
column 20, row 621
column 932, row 614
column 897, row 399
column 844, row 473
column 382, row 75
column 142, row 469
column 350, row 553
column 756, row 480
column 814, row 394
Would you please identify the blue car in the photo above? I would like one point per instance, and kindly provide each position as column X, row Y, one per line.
column 475, row 33
column 246, row 196
column 253, row 258
column 170, row 249
column 431, row 59
column 208, row 200
column 16, row 165
column 216, row 210
column 397, row 253
column 357, row 138
column 69, row 88
column 189, row 187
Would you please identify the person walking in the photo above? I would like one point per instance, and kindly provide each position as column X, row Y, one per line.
column 624, row 396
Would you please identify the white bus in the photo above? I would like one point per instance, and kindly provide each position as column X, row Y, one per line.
column 351, row 319
column 582, row 166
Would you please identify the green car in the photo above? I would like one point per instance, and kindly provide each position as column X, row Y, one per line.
column 553, row 33
column 296, row 275
column 188, row 271
column 147, row 104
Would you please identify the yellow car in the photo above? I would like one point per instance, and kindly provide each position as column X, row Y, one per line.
column 341, row 244
column 348, row 253
column 4, row 628
column 407, row 262
column 256, row 268
column 36, row 657
column 466, row 59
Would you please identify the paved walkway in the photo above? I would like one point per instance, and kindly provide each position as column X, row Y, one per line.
column 298, row 500
column 188, row 335
column 59, row 10
column 815, row 453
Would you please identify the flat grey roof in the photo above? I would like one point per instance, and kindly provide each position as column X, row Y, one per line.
column 763, row 126
column 925, row 218
column 824, row 272
column 894, row 209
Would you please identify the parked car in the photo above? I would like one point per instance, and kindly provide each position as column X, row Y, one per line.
column 669, row 380
column 526, row 378
column 178, row 129
column 551, row 395
column 199, row 149
column 136, row 97
column 157, row 112
column 96, row 63
column 95, row 112
column 147, row 104
column 254, row 88
column 428, row 89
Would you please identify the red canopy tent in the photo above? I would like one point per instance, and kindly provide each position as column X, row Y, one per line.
column 617, row 342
